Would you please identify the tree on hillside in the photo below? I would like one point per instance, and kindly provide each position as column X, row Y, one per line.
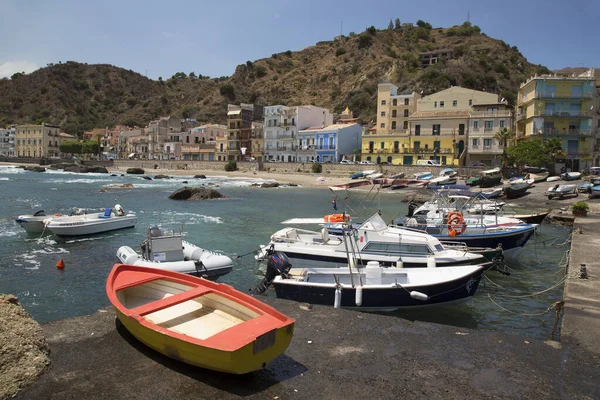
column 192, row 75
column 554, row 149
column 532, row 152
column 390, row 25
column 397, row 24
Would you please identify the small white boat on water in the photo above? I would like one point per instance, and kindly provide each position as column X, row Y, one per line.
column 89, row 224
column 170, row 252
column 34, row 224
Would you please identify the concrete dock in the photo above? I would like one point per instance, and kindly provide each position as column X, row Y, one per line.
column 581, row 319
column 335, row 354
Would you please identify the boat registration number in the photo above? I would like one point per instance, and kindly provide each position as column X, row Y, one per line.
column 265, row 341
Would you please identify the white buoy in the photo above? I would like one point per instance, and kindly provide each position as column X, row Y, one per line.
column 430, row 262
column 337, row 302
column 358, row 298
column 419, row 296
column 399, row 264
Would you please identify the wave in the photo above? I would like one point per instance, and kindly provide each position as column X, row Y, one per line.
column 4, row 179
column 10, row 169
column 174, row 217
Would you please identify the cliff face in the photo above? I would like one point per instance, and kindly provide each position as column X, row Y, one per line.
column 334, row 74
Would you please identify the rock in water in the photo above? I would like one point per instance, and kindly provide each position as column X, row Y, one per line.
column 23, row 349
column 83, row 169
column 195, row 193
column 34, row 169
column 162, row 177
column 135, row 171
column 200, row 176
column 270, row 185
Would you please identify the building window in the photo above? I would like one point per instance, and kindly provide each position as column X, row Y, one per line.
column 487, row 143
column 475, row 124
column 382, row 145
column 454, row 103
column 501, row 123
column 383, row 113
column 395, row 102
column 406, row 102
column 435, row 104
column 436, row 130
column 405, row 124
column 394, row 114
column 393, row 124
column 417, row 130
column 470, row 102
column 475, row 142
column 405, row 113
column 382, row 125
column 489, row 125
column 383, row 102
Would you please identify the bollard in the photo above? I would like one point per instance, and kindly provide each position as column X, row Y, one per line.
column 583, row 271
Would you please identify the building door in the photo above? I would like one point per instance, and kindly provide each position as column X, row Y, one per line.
column 371, row 146
column 407, row 160
column 378, row 160
column 572, row 147
column 461, row 147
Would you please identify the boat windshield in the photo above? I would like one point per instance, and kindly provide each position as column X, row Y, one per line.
column 375, row 223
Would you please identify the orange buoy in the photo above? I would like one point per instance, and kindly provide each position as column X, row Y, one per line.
column 60, row 264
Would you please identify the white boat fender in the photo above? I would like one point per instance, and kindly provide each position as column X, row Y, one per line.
column 399, row 264
column 419, row 296
column 358, row 298
column 337, row 301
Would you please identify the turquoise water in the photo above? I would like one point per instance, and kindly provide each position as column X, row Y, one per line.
column 234, row 226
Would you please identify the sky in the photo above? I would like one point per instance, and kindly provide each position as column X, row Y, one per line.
column 160, row 38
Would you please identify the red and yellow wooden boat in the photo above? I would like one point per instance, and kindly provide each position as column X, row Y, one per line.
column 197, row 321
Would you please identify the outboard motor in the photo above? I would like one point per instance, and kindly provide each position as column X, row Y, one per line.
column 155, row 232
column 411, row 209
column 277, row 264
column 120, row 211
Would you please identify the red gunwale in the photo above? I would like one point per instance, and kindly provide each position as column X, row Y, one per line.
column 125, row 276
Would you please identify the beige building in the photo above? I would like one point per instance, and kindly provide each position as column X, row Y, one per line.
column 484, row 122
column 439, row 128
column 37, row 140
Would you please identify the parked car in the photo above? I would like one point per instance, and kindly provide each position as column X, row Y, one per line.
column 347, row 162
column 366, row 162
column 478, row 164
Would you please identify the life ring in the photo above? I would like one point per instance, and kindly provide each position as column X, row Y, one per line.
column 336, row 218
column 456, row 224
column 58, row 215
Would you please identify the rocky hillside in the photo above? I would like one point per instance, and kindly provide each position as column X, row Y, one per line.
column 334, row 74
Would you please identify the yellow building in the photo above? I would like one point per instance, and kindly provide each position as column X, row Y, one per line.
column 439, row 128
column 390, row 136
column 258, row 141
column 558, row 106
column 37, row 141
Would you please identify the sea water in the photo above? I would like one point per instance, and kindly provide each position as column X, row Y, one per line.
column 235, row 226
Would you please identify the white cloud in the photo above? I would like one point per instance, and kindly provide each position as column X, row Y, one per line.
column 8, row 68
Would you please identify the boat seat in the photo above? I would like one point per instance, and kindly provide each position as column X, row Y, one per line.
column 169, row 301
column 107, row 213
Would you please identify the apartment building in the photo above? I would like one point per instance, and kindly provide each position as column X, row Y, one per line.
column 281, row 126
column 199, row 143
column 559, row 106
column 439, row 128
column 7, row 142
column 238, row 139
column 328, row 144
column 258, row 142
column 162, row 131
column 385, row 142
column 485, row 120
column 37, row 140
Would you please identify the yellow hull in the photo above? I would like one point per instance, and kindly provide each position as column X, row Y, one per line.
column 240, row 361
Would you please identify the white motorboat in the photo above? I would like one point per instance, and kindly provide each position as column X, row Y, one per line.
column 448, row 172
column 372, row 241
column 570, row 176
column 423, row 176
column 371, row 288
column 169, row 251
column 34, row 224
column 374, row 175
column 90, row 224
column 443, row 180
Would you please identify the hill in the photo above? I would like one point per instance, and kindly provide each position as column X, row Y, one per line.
column 334, row 74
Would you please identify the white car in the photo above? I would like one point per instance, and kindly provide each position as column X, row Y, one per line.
column 347, row 162
column 366, row 162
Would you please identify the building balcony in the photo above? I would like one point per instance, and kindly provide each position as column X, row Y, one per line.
column 420, row 150
column 521, row 117
column 285, row 136
column 567, row 131
column 565, row 96
column 489, row 149
column 565, row 114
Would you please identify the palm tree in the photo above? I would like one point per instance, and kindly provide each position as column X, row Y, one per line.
column 554, row 147
column 505, row 136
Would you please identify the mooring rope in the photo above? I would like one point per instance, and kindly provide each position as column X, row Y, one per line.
column 551, row 307
column 563, row 280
